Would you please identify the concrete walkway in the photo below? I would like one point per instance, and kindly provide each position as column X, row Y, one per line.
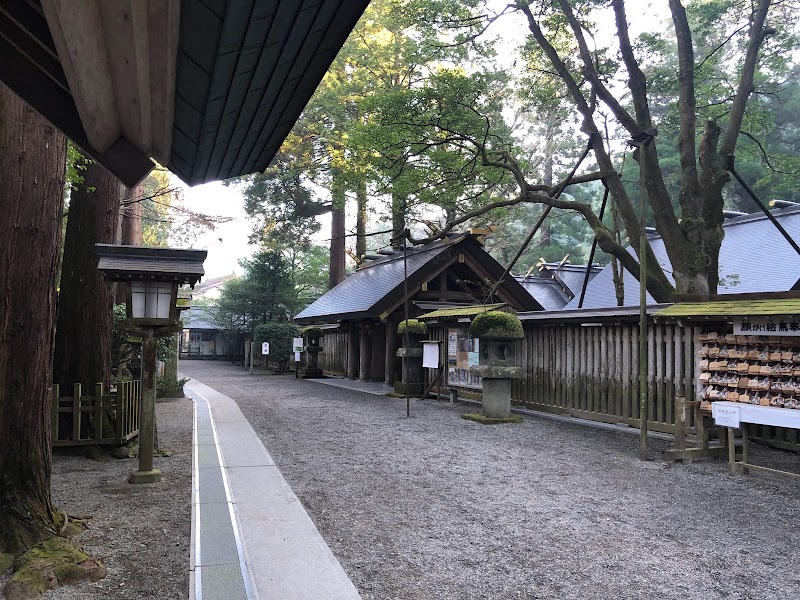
column 251, row 536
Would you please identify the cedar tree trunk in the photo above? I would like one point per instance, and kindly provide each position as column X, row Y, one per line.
column 85, row 323
column 399, row 210
column 32, row 169
column 337, row 233
column 361, row 219
column 130, row 227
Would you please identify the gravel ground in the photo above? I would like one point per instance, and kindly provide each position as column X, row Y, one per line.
column 140, row 532
column 436, row 507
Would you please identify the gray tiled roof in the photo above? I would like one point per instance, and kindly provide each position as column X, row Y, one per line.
column 197, row 317
column 754, row 257
column 572, row 276
column 546, row 291
column 362, row 290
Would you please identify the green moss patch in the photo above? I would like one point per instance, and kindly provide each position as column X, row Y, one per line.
column 6, row 562
column 414, row 327
column 496, row 324
column 49, row 564
column 483, row 419
column 312, row 332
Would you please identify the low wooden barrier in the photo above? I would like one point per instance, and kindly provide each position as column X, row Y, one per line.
column 115, row 417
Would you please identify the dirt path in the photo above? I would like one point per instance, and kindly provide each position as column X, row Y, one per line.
column 435, row 507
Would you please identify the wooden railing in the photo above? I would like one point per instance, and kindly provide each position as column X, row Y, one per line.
column 114, row 417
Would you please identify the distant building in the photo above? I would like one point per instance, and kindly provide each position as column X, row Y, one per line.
column 554, row 285
column 210, row 289
column 361, row 314
column 201, row 338
column 754, row 257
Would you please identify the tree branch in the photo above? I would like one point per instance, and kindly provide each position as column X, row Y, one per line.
column 755, row 39
column 687, row 108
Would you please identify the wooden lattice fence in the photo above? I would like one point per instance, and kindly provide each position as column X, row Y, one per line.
column 115, row 417
column 592, row 371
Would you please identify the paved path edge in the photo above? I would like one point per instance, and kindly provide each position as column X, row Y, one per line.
column 285, row 555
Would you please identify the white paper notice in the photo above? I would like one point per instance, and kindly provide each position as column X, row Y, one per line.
column 725, row 414
column 430, row 355
column 297, row 344
column 296, row 357
column 265, row 348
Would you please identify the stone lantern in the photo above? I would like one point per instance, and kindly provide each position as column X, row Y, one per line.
column 152, row 276
column 497, row 332
column 312, row 335
column 412, row 382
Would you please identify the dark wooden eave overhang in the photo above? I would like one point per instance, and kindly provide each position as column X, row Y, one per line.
column 209, row 88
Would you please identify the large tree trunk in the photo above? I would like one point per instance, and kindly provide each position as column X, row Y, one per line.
column 32, row 166
column 361, row 219
column 337, row 234
column 130, row 227
column 399, row 210
column 85, row 324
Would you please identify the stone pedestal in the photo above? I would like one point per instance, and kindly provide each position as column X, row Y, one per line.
column 312, row 349
column 497, row 333
column 412, row 382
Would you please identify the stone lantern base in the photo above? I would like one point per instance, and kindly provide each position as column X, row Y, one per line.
column 497, row 389
column 497, row 398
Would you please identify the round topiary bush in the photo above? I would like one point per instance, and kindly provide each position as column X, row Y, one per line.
column 415, row 327
column 496, row 324
column 312, row 332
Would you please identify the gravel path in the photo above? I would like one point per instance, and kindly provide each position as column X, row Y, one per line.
column 140, row 532
column 435, row 507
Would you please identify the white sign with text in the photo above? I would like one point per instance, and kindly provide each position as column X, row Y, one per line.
column 297, row 345
column 265, row 348
column 430, row 355
column 725, row 414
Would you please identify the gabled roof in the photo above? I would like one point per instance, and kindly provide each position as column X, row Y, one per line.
column 547, row 292
column 557, row 283
column 754, row 257
column 378, row 286
column 568, row 275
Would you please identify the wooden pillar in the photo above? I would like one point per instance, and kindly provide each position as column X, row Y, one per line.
column 378, row 349
column 171, row 368
column 390, row 351
column 365, row 352
column 352, row 351
column 147, row 416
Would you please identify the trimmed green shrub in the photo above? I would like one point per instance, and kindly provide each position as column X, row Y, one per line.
column 415, row 327
column 312, row 332
column 170, row 388
column 496, row 324
column 279, row 336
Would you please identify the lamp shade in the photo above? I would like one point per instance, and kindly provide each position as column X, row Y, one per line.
column 152, row 299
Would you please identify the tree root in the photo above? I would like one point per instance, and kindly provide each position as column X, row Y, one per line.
column 49, row 564
column 73, row 524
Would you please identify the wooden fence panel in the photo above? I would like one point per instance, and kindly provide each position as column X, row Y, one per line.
column 120, row 410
